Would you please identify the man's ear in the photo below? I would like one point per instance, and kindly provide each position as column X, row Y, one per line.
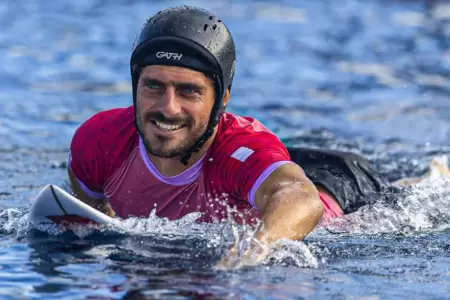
column 226, row 97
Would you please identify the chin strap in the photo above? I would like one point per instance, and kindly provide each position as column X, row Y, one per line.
column 202, row 140
column 184, row 160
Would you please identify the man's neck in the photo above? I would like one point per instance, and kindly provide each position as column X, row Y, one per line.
column 170, row 167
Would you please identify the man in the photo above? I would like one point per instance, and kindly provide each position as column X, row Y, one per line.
column 177, row 151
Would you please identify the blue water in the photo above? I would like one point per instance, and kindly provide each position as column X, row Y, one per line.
column 367, row 76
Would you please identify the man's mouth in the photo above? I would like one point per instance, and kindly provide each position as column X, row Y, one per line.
column 167, row 126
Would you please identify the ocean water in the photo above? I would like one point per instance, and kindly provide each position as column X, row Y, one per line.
column 367, row 76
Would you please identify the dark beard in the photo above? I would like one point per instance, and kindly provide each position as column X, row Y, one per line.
column 177, row 152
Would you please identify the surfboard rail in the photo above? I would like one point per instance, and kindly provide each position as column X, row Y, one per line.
column 54, row 205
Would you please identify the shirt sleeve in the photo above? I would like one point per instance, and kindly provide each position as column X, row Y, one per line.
column 252, row 162
column 86, row 159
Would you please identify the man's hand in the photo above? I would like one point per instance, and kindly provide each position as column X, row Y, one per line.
column 247, row 251
column 97, row 203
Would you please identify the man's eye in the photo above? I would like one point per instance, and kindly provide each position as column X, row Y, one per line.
column 190, row 90
column 152, row 85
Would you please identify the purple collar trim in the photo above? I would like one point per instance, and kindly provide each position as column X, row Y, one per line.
column 187, row 177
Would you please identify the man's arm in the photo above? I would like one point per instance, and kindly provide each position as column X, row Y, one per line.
column 100, row 204
column 289, row 203
column 290, row 207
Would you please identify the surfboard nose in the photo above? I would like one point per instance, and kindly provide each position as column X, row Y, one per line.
column 43, row 203
column 53, row 203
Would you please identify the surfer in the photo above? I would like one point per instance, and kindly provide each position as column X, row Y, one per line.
column 176, row 150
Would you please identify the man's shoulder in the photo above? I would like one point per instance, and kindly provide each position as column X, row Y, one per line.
column 101, row 144
column 243, row 133
column 107, row 128
column 234, row 128
column 107, row 123
column 243, row 149
column 109, row 118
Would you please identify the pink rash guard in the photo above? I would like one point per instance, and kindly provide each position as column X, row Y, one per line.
column 109, row 160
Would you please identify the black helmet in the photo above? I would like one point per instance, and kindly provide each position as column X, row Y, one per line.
column 188, row 37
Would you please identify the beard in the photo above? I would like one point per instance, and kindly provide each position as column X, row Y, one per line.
column 166, row 146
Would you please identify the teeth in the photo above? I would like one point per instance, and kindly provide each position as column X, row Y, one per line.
column 167, row 126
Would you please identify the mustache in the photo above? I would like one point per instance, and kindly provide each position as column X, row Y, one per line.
column 159, row 117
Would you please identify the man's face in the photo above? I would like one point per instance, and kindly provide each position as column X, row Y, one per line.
column 173, row 106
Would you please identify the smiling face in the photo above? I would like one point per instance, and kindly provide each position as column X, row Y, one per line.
column 173, row 106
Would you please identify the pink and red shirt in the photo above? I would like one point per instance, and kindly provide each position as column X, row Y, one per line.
column 108, row 158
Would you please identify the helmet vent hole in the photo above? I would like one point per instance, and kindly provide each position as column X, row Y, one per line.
column 220, row 21
column 214, row 27
column 205, row 27
column 211, row 17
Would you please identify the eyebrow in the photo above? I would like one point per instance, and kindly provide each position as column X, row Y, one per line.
column 178, row 84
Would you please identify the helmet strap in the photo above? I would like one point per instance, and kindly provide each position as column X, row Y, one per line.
column 202, row 140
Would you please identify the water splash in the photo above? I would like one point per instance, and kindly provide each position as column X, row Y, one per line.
column 13, row 221
column 217, row 238
column 244, row 250
column 292, row 253
column 423, row 206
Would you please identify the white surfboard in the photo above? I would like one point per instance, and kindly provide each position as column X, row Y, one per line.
column 54, row 205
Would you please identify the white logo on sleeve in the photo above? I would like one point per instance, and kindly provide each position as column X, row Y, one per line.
column 242, row 153
column 169, row 55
